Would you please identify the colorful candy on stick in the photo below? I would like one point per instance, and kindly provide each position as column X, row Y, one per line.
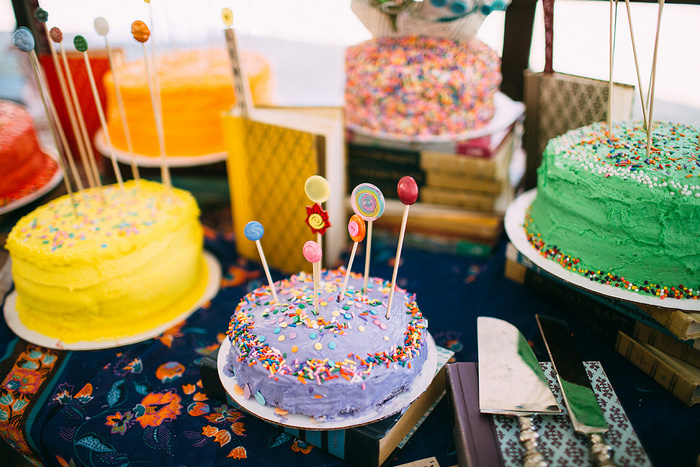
column 24, row 41
column 368, row 202
column 82, row 46
column 90, row 164
column 102, row 28
column 42, row 16
column 318, row 191
column 254, row 231
column 141, row 33
column 356, row 229
column 407, row 190
column 313, row 254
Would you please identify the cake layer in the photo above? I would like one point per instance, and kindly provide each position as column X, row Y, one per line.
column 116, row 270
column 196, row 87
column 21, row 158
column 347, row 359
column 420, row 86
column 606, row 209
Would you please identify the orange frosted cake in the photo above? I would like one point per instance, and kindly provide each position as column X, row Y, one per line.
column 196, row 87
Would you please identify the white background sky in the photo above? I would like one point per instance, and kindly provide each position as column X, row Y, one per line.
column 580, row 43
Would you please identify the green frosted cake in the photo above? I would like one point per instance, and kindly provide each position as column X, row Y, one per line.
column 607, row 210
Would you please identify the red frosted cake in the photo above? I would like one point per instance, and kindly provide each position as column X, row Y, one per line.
column 25, row 167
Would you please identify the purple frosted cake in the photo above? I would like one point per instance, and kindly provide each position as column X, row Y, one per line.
column 344, row 361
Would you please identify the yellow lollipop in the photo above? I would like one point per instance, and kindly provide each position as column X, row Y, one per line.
column 227, row 16
column 317, row 189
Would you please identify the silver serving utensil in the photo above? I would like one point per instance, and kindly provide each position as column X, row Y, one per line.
column 511, row 381
column 579, row 397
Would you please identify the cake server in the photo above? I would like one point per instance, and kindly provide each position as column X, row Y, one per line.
column 579, row 397
column 511, row 381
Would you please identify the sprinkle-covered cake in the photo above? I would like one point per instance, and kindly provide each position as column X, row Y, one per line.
column 121, row 267
column 24, row 167
column 607, row 210
column 196, row 86
column 346, row 360
column 419, row 86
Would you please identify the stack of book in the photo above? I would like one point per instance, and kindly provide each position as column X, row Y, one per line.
column 464, row 186
column 662, row 342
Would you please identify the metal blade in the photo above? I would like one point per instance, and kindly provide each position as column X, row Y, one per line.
column 579, row 397
column 511, row 380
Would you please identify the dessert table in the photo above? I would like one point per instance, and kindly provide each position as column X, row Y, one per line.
column 145, row 404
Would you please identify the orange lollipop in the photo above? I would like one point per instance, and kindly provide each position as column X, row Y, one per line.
column 140, row 31
column 356, row 229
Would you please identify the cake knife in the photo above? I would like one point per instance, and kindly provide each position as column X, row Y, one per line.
column 511, row 381
column 584, row 411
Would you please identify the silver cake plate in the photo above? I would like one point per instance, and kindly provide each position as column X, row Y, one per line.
column 213, row 273
column 154, row 161
column 304, row 422
column 514, row 224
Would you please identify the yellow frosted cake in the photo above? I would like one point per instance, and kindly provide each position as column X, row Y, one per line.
column 123, row 266
column 196, row 86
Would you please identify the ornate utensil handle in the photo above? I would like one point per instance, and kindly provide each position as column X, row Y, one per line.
column 529, row 439
column 601, row 453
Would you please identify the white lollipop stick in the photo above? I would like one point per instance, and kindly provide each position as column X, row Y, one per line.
column 100, row 110
column 636, row 64
column 102, row 28
column 356, row 229
column 407, row 190
column 652, row 81
column 141, row 34
column 24, row 41
column 367, row 255
column 90, row 165
column 254, row 231
column 313, row 254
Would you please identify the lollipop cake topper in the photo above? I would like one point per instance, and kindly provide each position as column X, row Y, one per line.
column 356, row 229
column 56, row 35
column 101, row 26
column 317, row 189
column 254, row 231
column 368, row 202
column 41, row 15
column 227, row 17
column 140, row 31
column 313, row 254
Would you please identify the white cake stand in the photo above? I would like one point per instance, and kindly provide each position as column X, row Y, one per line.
column 304, row 422
column 514, row 224
column 213, row 272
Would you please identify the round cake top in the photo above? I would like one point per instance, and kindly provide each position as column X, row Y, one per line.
column 673, row 166
column 346, row 339
column 14, row 121
column 189, row 68
column 135, row 215
column 422, row 52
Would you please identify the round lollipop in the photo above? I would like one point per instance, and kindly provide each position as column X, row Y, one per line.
column 407, row 190
column 254, row 231
column 318, row 190
column 313, row 254
column 356, row 229
column 368, row 202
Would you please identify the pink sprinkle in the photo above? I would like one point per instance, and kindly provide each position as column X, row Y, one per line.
column 376, row 321
column 363, row 386
column 382, row 326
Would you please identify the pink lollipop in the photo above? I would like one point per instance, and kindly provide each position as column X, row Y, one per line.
column 407, row 190
column 313, row 254
column 356, row 229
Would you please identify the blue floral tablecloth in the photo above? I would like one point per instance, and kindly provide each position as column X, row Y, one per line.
column 144, row 404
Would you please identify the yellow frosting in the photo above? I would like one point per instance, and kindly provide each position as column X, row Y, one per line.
column 196, row 87
column 117, row 269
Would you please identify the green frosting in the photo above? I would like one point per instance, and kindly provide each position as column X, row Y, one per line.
column 604, row 205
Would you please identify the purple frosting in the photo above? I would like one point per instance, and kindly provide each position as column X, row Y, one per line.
column 364, row 359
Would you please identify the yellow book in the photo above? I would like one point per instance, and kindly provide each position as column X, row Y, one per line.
column 271, row 154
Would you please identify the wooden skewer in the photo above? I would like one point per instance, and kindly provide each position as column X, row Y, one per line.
column 652, row 81
column 79, row 41
column 636, row 64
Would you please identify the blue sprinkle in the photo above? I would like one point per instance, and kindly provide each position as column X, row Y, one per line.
column 331, row 345
column 259, row 397
column 312, row 335
column 262, row 338
column 277, row 330
column 347, row 316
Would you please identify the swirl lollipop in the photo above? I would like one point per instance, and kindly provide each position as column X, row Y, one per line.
column 356, row 229
column 368, row 202
column 254, row 231
column 313, row 254
column 407, row 190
